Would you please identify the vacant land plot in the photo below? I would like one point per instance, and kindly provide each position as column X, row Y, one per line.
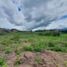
column 41, row 46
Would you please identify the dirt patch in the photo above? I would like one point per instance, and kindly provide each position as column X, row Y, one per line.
column 39, row 59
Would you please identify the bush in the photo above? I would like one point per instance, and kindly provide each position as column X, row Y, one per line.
column 18, row 61
column 50, row 33
column 56, row 33
column 2, row 33
column 58, row 49
column 50, row 44
column 28, row 48
column 7, row 50
column 2, row 61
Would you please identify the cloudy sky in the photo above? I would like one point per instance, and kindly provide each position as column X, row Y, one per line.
column 33, row 14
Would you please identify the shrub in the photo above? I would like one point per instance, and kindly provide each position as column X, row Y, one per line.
column 7, row 50
column 18, row 51
column 2, row 33
column 56, row 33
column 50, row 33
column 58, row 48
column 50, row 44
column 65, row 63
column 28, row 48
column 18, row 61
column 2, row 62
column 38, row 47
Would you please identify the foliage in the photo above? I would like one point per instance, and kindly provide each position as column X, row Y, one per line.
column 50, row 33
column 33, row 41
column 2, row 62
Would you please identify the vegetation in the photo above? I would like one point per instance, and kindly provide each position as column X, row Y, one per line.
column 50, row 33
column 38, row 59
column 33, row 41
column 19, row 42
column 18, row 62
column 2, row 62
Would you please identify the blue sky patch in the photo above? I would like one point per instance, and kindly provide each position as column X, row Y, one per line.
column 63, row 17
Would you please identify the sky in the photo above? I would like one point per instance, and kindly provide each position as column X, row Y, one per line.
column 26, row 15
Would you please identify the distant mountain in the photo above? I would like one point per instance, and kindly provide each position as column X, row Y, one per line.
column 4, row 30
column 8, row 30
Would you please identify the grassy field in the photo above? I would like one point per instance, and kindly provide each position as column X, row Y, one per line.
column 19, row 42
column 32, row 41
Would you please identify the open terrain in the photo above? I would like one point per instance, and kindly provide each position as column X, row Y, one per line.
column 33, row 49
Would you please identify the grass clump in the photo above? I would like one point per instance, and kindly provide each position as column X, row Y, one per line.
column 65, row 63
column 18, row 61
column 28, row 48
column 38, row 59
column 7, row 50
column 34, row 47
column 38, row 47
column 2, row 62
column 19, row 51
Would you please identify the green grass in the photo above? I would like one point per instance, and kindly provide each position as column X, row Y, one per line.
column 32, row 41
column 38, row 59
column 2, row 62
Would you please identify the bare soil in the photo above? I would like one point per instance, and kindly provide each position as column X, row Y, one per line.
column 37, row 59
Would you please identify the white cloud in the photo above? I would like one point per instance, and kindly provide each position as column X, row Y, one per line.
column 32, row 14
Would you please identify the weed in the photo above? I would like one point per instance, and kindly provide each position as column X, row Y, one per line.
column 38, row 59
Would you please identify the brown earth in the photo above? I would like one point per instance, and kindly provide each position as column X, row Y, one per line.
column 39, row 59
